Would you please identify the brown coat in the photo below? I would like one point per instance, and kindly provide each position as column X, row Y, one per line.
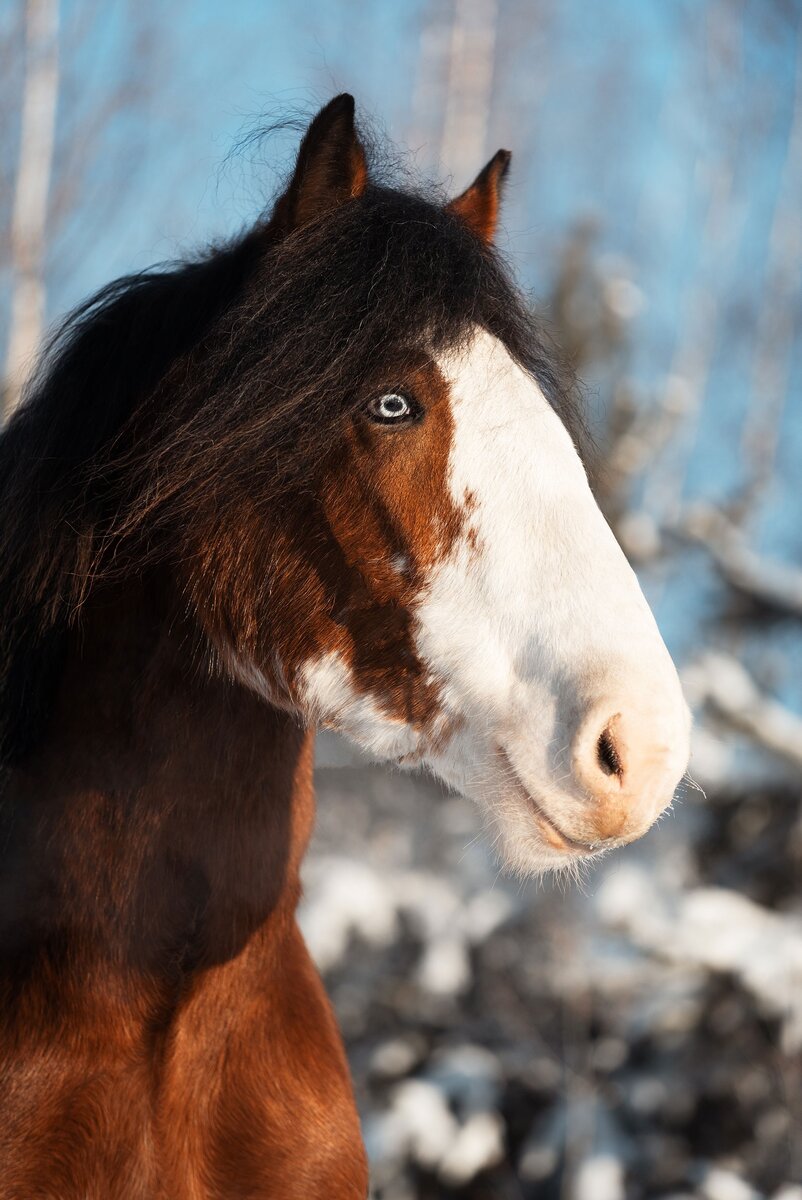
column 167, row 1036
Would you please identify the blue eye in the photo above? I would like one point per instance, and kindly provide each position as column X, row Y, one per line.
column 391, row 409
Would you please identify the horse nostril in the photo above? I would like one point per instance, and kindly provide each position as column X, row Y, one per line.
column 624, row 767
column 607, row 753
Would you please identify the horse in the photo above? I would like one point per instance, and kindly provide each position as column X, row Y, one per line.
column 328, row 475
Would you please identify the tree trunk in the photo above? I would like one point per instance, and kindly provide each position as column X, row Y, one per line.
column 29, row 220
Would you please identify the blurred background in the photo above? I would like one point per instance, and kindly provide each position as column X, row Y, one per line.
column 640, row 1036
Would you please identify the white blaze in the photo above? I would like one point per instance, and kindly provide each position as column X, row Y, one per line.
column 535, row 615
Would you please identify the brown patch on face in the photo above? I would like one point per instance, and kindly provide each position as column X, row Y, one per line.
column 471, row 533
column 387, row 490
column 389, row 508
column 340, row 567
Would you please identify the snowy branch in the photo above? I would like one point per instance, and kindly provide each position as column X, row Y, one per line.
column 773, row 585
column 733, row 696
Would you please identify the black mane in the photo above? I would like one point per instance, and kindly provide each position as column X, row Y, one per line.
column 168, row 393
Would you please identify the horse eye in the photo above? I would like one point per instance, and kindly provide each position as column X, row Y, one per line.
column 392, row 409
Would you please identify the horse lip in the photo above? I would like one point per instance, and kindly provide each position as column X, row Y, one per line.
column 556, row 838
column 553, row 831
column 586, row 848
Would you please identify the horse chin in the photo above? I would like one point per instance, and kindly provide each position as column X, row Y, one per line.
column 527, row 839
column 522, row 830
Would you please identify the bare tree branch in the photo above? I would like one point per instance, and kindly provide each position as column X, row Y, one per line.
column 428, row 97
column 777, row 317
column 729, row 691
column 773, row 585
column 690, row 369
column 470, row 86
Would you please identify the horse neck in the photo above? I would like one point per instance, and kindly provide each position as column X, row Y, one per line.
column 162, row 822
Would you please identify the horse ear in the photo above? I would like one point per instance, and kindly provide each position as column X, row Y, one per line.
column 331, row 167
column 478, row 206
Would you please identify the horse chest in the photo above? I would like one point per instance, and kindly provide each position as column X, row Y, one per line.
column 246, row 1095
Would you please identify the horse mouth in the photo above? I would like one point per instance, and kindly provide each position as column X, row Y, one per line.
column 553, row 836
column 551, row 832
